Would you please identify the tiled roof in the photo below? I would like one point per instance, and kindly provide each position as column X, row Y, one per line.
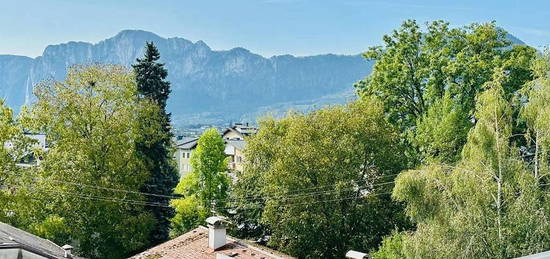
column 194, row 245
column 12, row 237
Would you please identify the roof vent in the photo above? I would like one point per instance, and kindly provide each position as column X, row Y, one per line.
column 68, row 251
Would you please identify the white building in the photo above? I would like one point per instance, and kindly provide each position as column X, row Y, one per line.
column 235, row 143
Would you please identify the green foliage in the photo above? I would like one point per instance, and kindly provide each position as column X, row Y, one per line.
column 190, row 213
column 391, row 248
column 314, row 182
column 441, row 131
column 490, row 205
column 53, row 228
column 154, row 147
column 207, row 183
column 536, row 113
column 92, row 124
column 151, row 76
column 9, row 132
column 13, row 147
column 416, row 68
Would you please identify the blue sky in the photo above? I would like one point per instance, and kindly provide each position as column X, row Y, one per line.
column 266, row 27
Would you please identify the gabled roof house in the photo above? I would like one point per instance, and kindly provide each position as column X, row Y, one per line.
column 210, row 243
column 18, row 244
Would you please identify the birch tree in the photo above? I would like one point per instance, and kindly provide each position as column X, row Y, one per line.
column 488, row 205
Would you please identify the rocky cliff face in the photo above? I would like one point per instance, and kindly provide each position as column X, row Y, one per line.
column 207, row 86
column 14, row 72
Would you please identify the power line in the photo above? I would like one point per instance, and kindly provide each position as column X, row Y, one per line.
column 145, row 203
column 318, row 187
column 306, row 203
column 177, row 197
column 101, row 198
column 259, row 197
column 110, row 189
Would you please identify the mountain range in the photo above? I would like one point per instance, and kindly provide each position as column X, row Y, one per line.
column 208, row 86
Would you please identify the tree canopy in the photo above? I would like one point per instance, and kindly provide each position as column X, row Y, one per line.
column 419, row 68
column 317, row 184
column 14, row 146
column 85, row 192
column 492, row 203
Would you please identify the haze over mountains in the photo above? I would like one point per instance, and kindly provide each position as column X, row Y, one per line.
column 208, row 86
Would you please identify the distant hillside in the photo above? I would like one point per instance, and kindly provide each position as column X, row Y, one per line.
column 207, row 86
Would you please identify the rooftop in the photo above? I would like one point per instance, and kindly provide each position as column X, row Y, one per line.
column 194, row 244
column 12, row 237
column 239, row 144
column 242, row 130
column 187, row 143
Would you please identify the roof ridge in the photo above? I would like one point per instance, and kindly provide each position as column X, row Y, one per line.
column 33, row 236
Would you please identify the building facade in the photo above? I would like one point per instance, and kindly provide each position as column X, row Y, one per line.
column 234, row 138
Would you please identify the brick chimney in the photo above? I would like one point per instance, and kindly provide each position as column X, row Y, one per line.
column 216, row 232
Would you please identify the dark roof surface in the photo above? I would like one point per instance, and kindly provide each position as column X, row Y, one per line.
column 14, row 237
column 187, row 143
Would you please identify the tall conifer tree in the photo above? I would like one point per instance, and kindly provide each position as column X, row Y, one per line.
column 152, row 85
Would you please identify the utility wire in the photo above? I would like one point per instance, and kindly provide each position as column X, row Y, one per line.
column 145, row 203
column 314, row 188
column 259, row 197
column 102, row 198
column 177, row 197
column 107, row 188
column 280, row 197
column 142, row 203
column 304, row 203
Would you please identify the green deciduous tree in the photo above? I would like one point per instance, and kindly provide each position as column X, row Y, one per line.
column 417, row 67
column 10, row 133
column 489, row 205
column 317, row 183
column 152, row 86
column 13, row 147
column 441, row 131
column 536, row 112
column 85, row 192
column 208, row 183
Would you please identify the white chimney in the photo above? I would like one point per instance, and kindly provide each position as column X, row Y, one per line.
column 355, row 255
column 216, row 232
column 68, row 251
